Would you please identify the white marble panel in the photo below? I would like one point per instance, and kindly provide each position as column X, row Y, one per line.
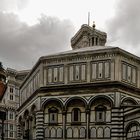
column 69, row 117
column 100, row 132
column 77, row 72
column 82, row 132
column 100, row 70
column 92, row 116
column 107, row 132
column 61, row 74
column 83, row 117
column 108, row 116
column 75, row 132
column 94, row 71
column 129, row 73
column 50, row 75
column 69, row 132
column 59, row 132
column 83, row 72
column 93, row 133
column 59, row 118
column 124, row 71
column 71, row 73
column 55, row 75
column 107, row 69
column 47, row 132
column 134, row 75
column 53, row 133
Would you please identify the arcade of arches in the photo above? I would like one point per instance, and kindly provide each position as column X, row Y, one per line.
column 75, row 119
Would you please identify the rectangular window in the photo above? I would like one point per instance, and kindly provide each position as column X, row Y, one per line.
column 11, row 134
column 11, row 89
column 76, row 115
column 55, row 75
column 77, row 72
column 129, row 74
column 100, row 116
column 11, row 116
column 53, row 118
column 100, row 70
column 124, row 71
column 11, row 127
column 11, row 97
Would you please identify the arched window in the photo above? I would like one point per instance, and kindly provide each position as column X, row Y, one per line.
column 133, row 131
column 76, row 115
column 53, row 115
column 100, row 113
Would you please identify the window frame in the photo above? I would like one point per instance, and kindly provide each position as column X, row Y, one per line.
column 11, row 115
column 100, row 110
column 53, row 111
column 97, row 75
column 75, row 72
column 11, row 134
column 11, row 89
column 78, row 121
column 55, row 74
column 11, row 97
column 126, row 76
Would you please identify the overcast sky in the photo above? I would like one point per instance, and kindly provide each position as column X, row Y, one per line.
column 32, row 28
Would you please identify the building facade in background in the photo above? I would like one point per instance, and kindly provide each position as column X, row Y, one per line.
column 10, row 102
column 89, row 92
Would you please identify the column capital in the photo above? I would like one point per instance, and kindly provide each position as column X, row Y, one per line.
column 87, row 111
column 64, row 112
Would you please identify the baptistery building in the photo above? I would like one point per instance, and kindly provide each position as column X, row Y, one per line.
column 91, row 92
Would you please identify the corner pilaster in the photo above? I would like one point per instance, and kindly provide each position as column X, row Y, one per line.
column 39, row 125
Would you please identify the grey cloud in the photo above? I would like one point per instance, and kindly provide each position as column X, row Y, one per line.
column 124, row 27
column 21, row 45
column 12, row 5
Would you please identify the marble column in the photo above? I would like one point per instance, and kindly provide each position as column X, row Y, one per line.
column 87, row 120
column 64, row 124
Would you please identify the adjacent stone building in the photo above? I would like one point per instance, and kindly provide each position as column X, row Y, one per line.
column 90, row 92
column 10, row 102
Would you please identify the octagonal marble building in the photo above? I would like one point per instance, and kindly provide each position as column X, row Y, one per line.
column 91, row 92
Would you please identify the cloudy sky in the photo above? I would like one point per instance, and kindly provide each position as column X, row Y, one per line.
column 32, row 28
